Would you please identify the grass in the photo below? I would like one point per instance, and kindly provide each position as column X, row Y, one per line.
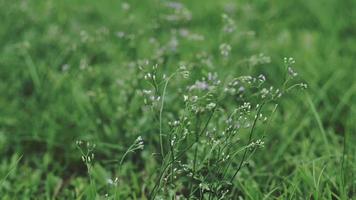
column 76, row 71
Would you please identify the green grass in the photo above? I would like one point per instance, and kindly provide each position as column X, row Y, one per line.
column 67, row 75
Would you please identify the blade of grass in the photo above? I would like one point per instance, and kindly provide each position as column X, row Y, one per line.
column 318, row 120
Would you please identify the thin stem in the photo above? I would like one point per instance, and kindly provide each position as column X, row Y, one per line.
column 172, row 160
column 153, row 193
column 197, row 133
column 249, row 141
column 160, row 114
column 344, row 153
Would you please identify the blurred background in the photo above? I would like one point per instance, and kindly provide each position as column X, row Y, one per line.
column 67, row 73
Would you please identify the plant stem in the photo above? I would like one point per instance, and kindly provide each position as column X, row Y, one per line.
column 249, row 141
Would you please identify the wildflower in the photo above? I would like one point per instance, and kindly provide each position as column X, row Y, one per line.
column 65, row 67
column 125, row 6
column 138, row 144
column 292, row 72
column 229, row 24
column 261, row 78
column 225, row 49
column 304, row 85
column 147, row 91
column 241, row 89
column 210, row 106
column 200, row 85
column 183, row 70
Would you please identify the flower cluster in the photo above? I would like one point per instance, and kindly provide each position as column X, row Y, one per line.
column 87, row 151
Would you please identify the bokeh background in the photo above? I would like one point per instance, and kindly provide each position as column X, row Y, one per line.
column 66, row 73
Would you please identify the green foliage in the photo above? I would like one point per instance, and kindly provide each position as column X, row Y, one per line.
column 169, row 100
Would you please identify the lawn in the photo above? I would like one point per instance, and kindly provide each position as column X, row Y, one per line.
column 155, row 99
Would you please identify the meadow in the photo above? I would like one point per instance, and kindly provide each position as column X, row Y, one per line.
column 154, row 99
